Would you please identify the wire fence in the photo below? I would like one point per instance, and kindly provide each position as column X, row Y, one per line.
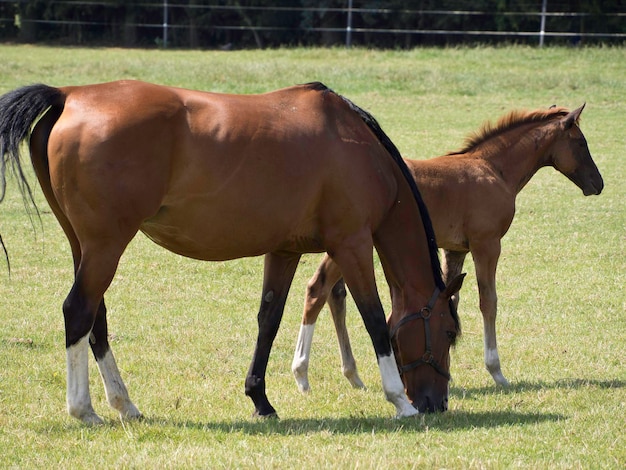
column 176, row 24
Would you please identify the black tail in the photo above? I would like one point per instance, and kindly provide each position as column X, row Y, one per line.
column 395, row 154
column 19, row 109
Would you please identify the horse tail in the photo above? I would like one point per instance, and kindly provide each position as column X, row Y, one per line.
column 19, row 109
column 384, row 139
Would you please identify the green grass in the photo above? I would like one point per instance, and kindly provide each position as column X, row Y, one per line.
column 183, row 331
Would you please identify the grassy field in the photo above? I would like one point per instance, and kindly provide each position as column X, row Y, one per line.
column 183, row 331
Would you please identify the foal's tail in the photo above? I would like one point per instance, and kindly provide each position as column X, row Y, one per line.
column 19, row 109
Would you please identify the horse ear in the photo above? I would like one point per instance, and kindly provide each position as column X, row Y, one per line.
column 454, row 286
column 572, row 118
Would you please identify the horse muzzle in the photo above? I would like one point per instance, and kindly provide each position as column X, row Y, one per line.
column 593, row 188
column 428, row 404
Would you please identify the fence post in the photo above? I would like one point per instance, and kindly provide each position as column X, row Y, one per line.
column 349, row 26
column 165, row 24
column 542, row 31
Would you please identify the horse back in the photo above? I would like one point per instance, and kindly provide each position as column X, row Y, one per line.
column 218, row 176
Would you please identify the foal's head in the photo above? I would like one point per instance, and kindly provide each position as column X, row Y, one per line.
column 421, row 343
column 570, row 154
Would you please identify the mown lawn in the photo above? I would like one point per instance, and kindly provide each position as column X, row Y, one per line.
column 183, row 331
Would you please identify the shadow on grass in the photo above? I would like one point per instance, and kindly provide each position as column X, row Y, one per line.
column 525, row 386
column 450, row 421
column 455, row 420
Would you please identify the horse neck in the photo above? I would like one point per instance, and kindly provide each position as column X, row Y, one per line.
column 517, row 154
column 404, row 252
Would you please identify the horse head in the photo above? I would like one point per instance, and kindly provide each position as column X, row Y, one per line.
column 571, row 156
column 421, row 343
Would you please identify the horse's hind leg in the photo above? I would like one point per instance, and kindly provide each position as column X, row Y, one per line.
column 79, row 319
column 485, row 261
column 277, row 277
column 337, row 304
column 116, row 392
column 85, row 318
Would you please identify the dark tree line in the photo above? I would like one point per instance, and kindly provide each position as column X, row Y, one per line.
column 271, row 23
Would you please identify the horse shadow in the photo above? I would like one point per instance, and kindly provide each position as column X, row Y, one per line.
column 449, row 421
column 527, row 386
column 452, row 420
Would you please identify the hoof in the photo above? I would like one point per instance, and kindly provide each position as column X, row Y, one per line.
column 131, row 413
column 302, row 380
column 131, row 417
column 91, row 419
column 272, row 415
column 500, row 380
column 407, row 412
column 356, row 382
column 86, row 414
column 304, row 387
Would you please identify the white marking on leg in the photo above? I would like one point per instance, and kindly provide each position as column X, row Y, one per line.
column 394, row 388
column 300, row 363
column 78, row 398
column 492, row 362
column 116, row 392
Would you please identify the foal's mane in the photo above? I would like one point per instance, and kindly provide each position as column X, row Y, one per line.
column 509, row 121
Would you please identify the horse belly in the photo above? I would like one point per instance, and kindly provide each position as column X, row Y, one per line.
column 212, row 229
column 276, row 197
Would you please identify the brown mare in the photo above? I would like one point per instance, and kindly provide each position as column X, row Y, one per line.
column 217, row 177
column 470, row 195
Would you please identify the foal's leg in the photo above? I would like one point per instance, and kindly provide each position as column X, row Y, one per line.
column 317, row 292
column 277, row 277
column 337, row 304
column 486, row 260
column 116, row 392
column 316, row 295
column 357, row 266
column 451, row 266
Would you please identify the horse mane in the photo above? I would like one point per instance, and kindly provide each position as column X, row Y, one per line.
column 509, row 121
column 384, row 139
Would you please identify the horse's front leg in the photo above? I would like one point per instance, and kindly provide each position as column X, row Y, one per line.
column 356, row 264
column 278, row 274
column 486, row 261
column 116, row 392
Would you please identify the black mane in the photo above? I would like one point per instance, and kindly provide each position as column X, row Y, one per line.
column 372, row 123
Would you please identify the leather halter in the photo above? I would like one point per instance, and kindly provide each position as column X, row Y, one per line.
column 427, row 357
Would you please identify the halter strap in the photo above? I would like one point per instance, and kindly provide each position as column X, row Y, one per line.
column 429, row 307
column 427, row 357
